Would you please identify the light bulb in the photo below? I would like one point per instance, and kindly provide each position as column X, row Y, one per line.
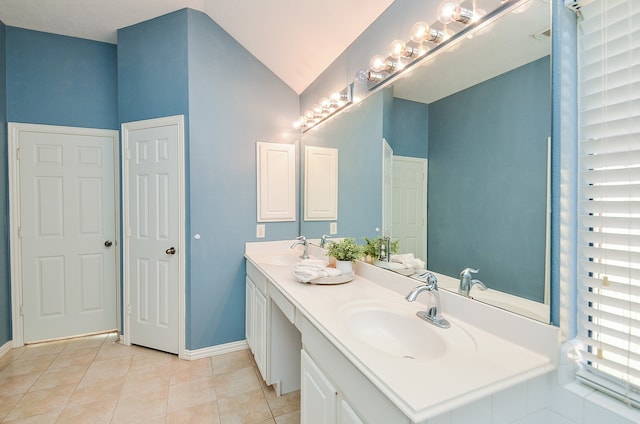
column 378, row 63
column 447, row 10
column 325, row 103
column 309, row 115
column 397, row 49
column 419, row 32
column 361, row 76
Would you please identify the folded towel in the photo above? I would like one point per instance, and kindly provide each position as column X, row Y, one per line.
column 408, row 260
column 311, row 269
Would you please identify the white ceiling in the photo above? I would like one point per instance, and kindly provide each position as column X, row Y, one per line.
column 296, row 39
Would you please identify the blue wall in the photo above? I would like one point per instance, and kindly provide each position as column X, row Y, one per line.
column 58, row 80
column 5, row 283
column 410, row 128
column 466, row 146
column 55, row 80
column 358, row 135
column 234, row 101
column 184, row 63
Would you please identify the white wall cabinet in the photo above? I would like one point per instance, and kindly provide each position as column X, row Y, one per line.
column 320, row 183
column 276, row 170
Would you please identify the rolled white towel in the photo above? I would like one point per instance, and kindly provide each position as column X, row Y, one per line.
column 401, row 258
column 312, row 269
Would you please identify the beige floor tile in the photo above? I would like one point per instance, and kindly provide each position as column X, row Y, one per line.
column 191, row 393
column 42, row 349
column 138, row 408
column 267, row 421
column 36, row 419
column 55, row 377
column 283, row 404
column 236, row 382
column 86, row 342
column 99, row 390
column 290, row 418
column 49, row 401
column 206, row 413
column 15, row 384
column 95, row 413
column 68, row 358
column 250, row 407
column 232, row 361
column 24, row 365
column 12, row 355
column 7, row 403
column 148, row 383
column 110, row 351
column 183, row 371
column 106, row 370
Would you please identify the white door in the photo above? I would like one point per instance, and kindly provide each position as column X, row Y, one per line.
column 410, row 205
column 67, row 230
column 154, row 245
column 387, row 188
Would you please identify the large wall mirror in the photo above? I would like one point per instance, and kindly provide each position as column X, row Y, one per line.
column 477, row 118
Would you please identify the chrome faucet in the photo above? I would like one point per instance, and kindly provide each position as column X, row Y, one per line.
column 432, row 314
column 467, row 282
column 324, row 240
column 303, row 241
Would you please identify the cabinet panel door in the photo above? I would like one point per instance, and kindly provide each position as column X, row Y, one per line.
column 347, row 415
column 317, row 394
column 260, row 332
column 248, row 325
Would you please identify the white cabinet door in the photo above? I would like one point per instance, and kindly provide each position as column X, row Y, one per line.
column 249, row 296
column 346, row 414
column 318, row 397
column 260, row 332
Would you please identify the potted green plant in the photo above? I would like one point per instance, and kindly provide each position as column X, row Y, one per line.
column 345, row 252
column 372, row 248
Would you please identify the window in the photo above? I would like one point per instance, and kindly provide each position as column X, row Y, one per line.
column 609, row 197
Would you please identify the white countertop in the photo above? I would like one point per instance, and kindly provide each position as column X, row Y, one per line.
column 420, row 389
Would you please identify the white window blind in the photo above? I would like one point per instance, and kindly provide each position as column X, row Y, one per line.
column 609, row 218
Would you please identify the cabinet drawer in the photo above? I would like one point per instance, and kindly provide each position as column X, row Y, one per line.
column 285, row 306
column 257, row 277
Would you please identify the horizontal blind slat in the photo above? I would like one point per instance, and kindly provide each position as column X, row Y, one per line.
column 610, row 206
column 612, row 270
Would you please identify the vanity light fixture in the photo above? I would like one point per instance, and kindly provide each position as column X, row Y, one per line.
column 322, row 110
column 380, row 63
column 399, row 49
column 421, row 32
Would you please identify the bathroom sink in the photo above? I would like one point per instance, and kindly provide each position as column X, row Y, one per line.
column 280, row 260
column 394, row 329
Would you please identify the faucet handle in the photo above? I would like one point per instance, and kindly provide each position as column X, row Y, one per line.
column 468, row 271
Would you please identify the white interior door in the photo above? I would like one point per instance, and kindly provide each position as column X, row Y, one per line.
column 154, row 240
column 410, row 205
column 66, row 230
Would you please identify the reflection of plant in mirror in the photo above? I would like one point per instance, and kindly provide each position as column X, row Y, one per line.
column 345, row 250
column 372, row 246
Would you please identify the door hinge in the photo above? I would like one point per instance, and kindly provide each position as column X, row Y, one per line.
column 128, row 309
column 19, row 232
column 127, row 154
column 21, row 311
column 18, row 153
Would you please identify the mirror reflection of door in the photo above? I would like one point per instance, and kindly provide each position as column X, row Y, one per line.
column 410, row 205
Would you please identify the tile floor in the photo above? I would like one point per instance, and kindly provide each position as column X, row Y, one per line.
column 94, row 380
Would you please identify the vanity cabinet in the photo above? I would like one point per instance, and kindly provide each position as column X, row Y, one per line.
column 333, row 390
column 270, row 332
column 257, row 317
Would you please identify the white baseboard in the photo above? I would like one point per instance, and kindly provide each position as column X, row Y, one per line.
column 5, row 348
column 192, row 355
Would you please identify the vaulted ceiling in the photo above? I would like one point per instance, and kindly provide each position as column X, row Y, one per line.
column 296, row 39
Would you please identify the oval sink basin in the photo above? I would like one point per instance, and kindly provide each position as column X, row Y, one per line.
column 395, row 330
column 280, row 260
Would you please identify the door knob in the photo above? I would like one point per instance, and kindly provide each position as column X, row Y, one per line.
column 108, row 243
column 170, row 251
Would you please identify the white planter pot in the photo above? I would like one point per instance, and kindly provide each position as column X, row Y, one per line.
column 345, row 267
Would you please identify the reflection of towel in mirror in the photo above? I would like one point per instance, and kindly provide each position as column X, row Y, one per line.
column 408, row 260
column 311, row 269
